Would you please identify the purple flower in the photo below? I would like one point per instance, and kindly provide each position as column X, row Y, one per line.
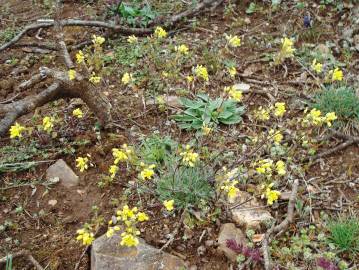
column 253, row 253
column 326, row 264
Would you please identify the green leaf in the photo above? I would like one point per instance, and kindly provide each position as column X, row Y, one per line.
column 252, row 8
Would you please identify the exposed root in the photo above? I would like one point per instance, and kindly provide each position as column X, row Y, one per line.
column 168, row 22
column 280, row 227
column 61, row 88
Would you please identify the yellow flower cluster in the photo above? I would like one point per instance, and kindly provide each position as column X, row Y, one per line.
column 266, row 166
column 277, row 136
column 315, row 118
column 127, row 78
column 147, row 172
column 78, row 113
column 85, row 236
column 168, row 204
column 129, row 218
column 233, row 93
column 82, row 163
column 232, row 71
column 270, row 195
column 229, row 186
column 183, row 49
column 263, row 114
column 80, row 57
column 94, row 79
column 16, row 130
column 233, row 41
column 287, row 48
column 98, row 40
column 279, row 109
column 132, row 39
column 206, row 130
column 72, row 74
column 189, row 158
column 336, row 75
column 201, row 72
column 113, row 171
column 122, row 154
column 160, row 32
column 48, row 124
column 316, row 66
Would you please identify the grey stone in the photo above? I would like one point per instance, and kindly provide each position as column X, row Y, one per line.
column 229, row 231
column 63, row 172
column 107, row 254
column 250, row 213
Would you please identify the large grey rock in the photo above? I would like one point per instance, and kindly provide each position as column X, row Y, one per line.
column 250, row 212
column 229, row 231
column 107, row 254
column 62, row 171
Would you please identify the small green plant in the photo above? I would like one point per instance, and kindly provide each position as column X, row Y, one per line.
column 344, row 234
column 157, row 150
column 7, row 34
column 134, row 14
column 343, row 101
column 205, row 111
column 187, row 186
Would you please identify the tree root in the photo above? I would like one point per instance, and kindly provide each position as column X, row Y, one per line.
column 280, row 227
column 26, row 254
column 168, row 22
column 61, row 88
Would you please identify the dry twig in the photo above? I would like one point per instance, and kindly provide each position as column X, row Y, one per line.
column 280, row 227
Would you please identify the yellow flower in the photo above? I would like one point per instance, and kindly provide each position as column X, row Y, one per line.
column 142, row 217
column 77, row 113
column 317, row 67
column 72, row 74
column 148, row 172
column 119, row 155
column 189, row 78
column 85, row 236
column 80, row 57
column 233, row 93
column 127, row 78
column 230, row 186
column 16, row 130
column 189, row 158
column 271, row 195
column 329, row 118
column 82, row 163
column 98, row 40
column 265, row 166
column 262, row 114
column 132, row 39
column 183, row 49
column 201, row 72
column 128, row 240
column 206, row 130
column 48, row 124
column 337, row 74
column 160, row 32
column 94, row 79
column 277, row 137
column 280, row 167
column 287, row 48
column 232, row 71
column 110, row 232
column 113, row 171
column 169, row 204
column 279, row 109
column 314, row 117
column 233, row 41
